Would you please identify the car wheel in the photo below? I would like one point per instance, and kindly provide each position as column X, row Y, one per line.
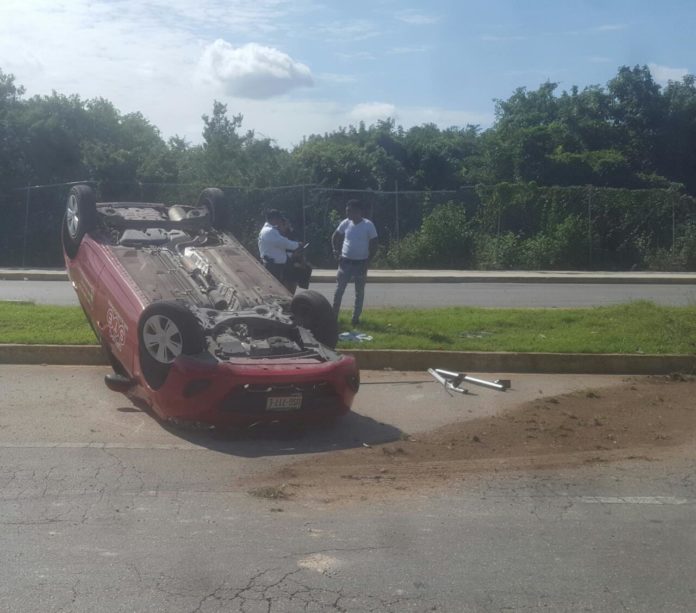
column 314, row 312
column 80, row 217
column 213, row 199
column 166, row 330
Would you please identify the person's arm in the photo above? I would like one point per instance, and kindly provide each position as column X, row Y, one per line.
column 337, row 243
column 374, row 243
column 372, row 235
column 280, row 241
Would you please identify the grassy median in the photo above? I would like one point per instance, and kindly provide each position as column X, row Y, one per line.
column 637, row 327
column 34, row 324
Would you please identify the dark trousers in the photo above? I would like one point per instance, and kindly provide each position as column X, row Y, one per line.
column 277, row 270
column 351, row 270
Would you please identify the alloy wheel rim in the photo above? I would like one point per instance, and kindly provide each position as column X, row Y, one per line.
column 73, row 216
column 162, row 339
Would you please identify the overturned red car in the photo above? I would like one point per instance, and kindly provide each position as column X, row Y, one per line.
column 193, row 324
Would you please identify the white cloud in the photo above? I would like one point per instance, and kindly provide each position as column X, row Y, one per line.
column 372, row 111
column 143, row 57
column 252, row 71
column 664, row 74
column 146, row 56
column 416, row 18
column 443, row 118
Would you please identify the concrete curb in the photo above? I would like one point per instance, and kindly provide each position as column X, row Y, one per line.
column 556, row 363
column 380, row 359
column 438, row 276
column 33, row 275
column 86, row 355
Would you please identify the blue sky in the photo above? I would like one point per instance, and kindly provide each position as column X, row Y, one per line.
column 296, row 67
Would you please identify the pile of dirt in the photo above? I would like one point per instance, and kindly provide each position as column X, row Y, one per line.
column 639, row 419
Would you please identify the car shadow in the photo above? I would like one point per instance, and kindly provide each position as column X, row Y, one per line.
column 347, row 432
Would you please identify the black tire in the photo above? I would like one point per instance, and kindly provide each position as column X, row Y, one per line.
column 314, row 312
column 166, row 330
column 213, row 199
column 80, row 217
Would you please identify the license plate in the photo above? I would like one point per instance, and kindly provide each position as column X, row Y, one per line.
column 283, row 403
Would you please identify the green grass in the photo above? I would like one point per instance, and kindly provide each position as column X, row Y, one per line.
column 33, row 324
column 637, row 327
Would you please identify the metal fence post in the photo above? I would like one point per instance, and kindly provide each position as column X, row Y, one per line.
column 397, row 229
column 589, row 226
column 674, row 225
column 497, row 235
column 26, row 227
column 304, row 215
column 396, row 209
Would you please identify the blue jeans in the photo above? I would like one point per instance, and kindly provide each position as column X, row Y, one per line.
column 351, row 270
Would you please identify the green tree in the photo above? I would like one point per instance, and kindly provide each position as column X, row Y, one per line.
column 637, row 109
column 11, row 163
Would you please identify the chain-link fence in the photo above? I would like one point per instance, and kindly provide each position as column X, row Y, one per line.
column 587, row 227
column 514, row 225
column 30, row 236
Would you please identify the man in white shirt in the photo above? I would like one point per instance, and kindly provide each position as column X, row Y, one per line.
column 354, row 244
column 273, row 246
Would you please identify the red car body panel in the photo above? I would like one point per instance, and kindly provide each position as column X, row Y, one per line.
column 210, row 406
column 231, row 390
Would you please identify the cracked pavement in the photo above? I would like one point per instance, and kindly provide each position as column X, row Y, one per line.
column 103, row 509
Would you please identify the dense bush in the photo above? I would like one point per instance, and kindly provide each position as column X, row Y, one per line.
column 445, row 240
column 525, row 226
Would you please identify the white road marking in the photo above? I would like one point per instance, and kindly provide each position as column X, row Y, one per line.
column 663, row 500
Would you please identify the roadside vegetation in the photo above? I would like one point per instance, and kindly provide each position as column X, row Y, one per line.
column 600, row 177
column 638, row 327
column 33, row 324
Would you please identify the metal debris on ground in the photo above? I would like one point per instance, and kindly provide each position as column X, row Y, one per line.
column 475, row 334
column 354, row 336
column 446, row 383
column 453, row 380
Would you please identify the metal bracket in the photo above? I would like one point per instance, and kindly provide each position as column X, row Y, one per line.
column 455, row 378
column 447, row 383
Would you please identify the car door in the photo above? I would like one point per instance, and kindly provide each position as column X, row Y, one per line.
column 84, row 272
column 118, row 309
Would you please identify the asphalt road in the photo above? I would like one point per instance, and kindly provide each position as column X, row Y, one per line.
column 424, row 295
column 103, row 509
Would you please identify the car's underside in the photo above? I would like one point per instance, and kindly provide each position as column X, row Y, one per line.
column 172, row 254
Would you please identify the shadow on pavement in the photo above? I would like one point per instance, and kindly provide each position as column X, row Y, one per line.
column 347, row 432
column 352, row 430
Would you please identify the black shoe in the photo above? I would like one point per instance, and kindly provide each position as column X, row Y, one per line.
column 354, row 322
